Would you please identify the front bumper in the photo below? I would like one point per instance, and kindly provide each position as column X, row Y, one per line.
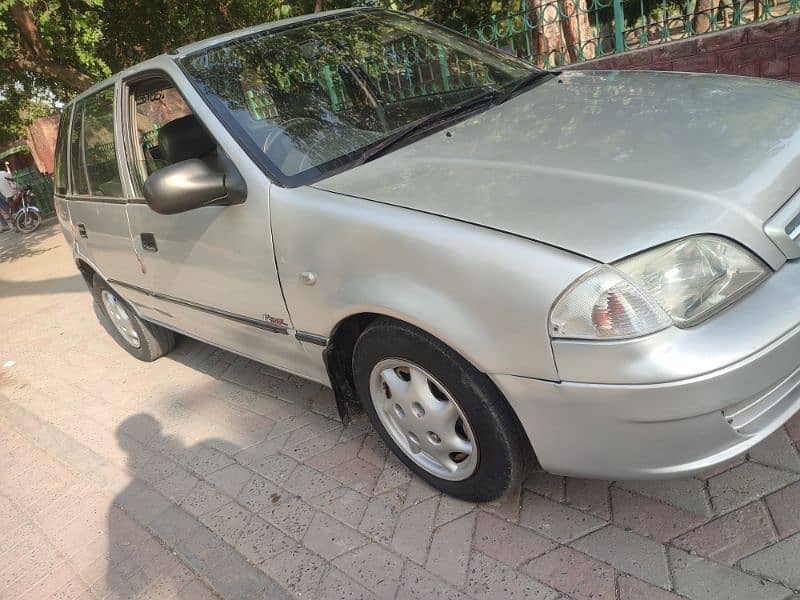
column 682, row 401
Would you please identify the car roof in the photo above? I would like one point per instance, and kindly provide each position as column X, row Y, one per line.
column 182, row 51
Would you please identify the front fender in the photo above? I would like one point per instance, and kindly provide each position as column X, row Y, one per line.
column 485, row 293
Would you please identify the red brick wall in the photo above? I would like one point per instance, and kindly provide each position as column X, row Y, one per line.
column 769, row 49
column 41, row 136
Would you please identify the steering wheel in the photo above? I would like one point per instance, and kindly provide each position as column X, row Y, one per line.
column 301, row 147
column 285, row 127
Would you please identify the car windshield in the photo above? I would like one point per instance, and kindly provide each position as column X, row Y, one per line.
column 312, row 98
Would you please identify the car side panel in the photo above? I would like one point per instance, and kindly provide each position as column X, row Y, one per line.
column 485, row 293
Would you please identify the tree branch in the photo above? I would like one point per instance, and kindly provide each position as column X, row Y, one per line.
column 22, row 16
column 34, row 56
column 69, row 76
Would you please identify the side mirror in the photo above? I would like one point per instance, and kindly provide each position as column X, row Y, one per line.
column 191, row 184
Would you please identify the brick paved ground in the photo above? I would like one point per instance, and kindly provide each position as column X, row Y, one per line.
column 204, row 474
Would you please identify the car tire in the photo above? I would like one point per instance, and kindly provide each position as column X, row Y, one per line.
column 422, row 433
column 141, row 339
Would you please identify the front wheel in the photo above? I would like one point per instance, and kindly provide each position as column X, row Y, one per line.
column 143, row 340
column 442, row 417
column 27, row 221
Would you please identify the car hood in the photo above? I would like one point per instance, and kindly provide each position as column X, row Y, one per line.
column 605, row 164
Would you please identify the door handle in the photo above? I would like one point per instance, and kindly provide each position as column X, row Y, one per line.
column 149, row 242
column 82, row 230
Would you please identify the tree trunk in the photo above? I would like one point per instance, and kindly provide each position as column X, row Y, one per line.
column 576, row 30
column 701, row 22
column 34, row 56
column 318, row 6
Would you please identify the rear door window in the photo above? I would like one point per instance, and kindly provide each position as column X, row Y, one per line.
column 99, row 148
column 60, row 175
column 77, row 162
column 93, row 156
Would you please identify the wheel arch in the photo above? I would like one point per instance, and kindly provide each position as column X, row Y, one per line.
column 338, row 356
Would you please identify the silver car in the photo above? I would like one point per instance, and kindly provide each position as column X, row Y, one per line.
column 593, row 271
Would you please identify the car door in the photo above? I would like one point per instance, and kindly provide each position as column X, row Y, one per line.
column 96, row 198
column 211, row 271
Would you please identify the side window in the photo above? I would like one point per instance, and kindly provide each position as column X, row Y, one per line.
column 77, row 160
column 98, row 142
column 60, row 175
column 154, row 103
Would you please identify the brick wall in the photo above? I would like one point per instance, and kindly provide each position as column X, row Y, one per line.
column 770, row 49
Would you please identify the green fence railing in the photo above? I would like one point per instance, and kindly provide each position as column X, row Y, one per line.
column 42, row 186
column 552, row 33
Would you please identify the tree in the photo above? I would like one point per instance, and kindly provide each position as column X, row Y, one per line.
column 53, row 40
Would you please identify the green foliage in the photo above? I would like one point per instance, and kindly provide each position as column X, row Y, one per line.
column 67, row 44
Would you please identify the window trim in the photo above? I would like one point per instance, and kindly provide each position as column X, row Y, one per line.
column 127, row 122
column 89, row 197
column 67, row 111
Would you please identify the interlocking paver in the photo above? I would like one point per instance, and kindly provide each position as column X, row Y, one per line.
column 745, row 483
column 229, row 478
column 731, row 537
column 451, row 508
column 261, row 541
column 645, row 516
column 628, row 552
column 777, row 451
column 203, row 498
column 688, row 494
column 228, row 522
column 489, row 579
column 699, row 578
column 555, row 521
column 374, row 567
column 575, row 574
column 419, row 584
column 258, row 493
column 413, row 531
column 780, row 562
column 291, row 514
column 508, row 543
column 329, row 538
column 335, row 585
column 298, row 569
column 590, row 495
column 631, row 588
column 450, row 550
column 545, row 484
column 343, row 504
column 784, row 506
column 380, row 518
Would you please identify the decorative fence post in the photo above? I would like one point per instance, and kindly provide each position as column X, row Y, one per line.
column 619, row 27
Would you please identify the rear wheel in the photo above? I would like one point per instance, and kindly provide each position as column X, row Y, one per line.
column 143, row 340
column 442, row 417
column 27, row 221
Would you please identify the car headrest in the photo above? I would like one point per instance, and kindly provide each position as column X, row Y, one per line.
column 184, row 138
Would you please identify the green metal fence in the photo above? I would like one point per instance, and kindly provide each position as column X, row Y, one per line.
column 42, row 186
column 553, row 33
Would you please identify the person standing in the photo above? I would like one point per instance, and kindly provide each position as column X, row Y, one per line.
column 7, row 190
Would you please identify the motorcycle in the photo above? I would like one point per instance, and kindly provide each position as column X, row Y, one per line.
column 24, row 211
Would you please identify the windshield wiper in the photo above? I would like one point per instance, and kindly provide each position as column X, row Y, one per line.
column 521, row 84
column 491, row 98
column 425, row 123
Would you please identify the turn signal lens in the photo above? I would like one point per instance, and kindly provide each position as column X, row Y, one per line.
column 604, row 304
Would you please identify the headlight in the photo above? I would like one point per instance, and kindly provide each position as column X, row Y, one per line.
column 680, row 283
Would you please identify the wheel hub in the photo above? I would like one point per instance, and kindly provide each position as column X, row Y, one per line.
column 120, row 318
column 423, row 419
